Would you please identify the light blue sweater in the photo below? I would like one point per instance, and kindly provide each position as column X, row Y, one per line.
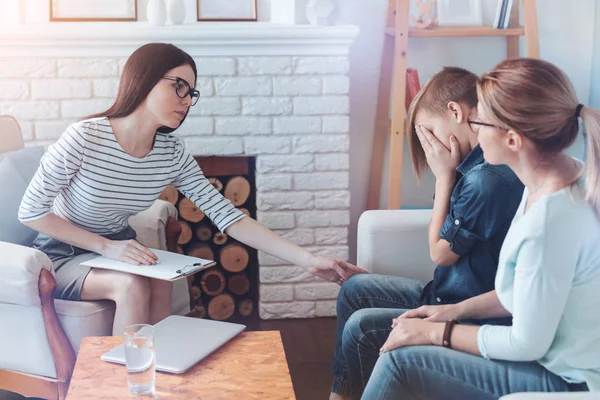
column 549, row 279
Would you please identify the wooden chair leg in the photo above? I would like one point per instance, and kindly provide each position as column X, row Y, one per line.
column 62, row 352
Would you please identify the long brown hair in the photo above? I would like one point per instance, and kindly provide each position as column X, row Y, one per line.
column 535, row 98
column 450, row 84
column 143, row 70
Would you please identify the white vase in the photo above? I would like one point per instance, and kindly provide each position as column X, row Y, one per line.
column 176, row 11
column 156, row 12
column 322, row 12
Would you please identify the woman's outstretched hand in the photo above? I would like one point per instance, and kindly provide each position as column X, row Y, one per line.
column 333, row 270
column 129, row 251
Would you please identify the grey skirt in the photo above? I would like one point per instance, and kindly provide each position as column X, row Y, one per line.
column 66, row 260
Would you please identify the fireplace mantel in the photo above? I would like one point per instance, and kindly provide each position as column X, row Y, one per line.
column 207, row 39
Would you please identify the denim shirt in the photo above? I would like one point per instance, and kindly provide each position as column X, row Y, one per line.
column 482, row 205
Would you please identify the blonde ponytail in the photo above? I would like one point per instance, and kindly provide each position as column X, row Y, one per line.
column 591, row 122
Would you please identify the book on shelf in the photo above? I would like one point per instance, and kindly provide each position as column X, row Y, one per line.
column 503, row 14
column 508, row 13
column 412, row 85
column 498, row 16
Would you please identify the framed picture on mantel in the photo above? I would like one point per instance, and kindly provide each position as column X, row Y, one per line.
column 93, row 10
column 227, row 10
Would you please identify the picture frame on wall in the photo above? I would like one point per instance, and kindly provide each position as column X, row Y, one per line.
column 93, row 10
column 459, row 12
column 227, row 10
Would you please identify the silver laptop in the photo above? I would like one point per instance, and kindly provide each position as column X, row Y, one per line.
column 181, row 342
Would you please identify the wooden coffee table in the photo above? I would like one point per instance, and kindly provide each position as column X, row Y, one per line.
column 251, row 366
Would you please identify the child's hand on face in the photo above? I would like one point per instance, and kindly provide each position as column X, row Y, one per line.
column 441, row 161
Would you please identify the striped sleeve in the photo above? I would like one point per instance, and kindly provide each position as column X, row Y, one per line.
column 57, row 167
column 193, row 184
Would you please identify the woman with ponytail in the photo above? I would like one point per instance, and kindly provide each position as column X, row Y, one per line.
column 548, row 275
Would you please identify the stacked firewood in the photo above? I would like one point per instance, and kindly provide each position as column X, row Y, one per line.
column 221, row 291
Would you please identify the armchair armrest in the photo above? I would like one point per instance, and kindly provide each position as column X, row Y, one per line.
column 151, row 225
column 551, row 396
column 20, row 269
column 395, row 242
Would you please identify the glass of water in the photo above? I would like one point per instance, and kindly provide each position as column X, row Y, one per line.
column 139, row 358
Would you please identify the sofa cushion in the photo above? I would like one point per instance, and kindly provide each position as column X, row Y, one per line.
column 26, row 161
column 16, row 170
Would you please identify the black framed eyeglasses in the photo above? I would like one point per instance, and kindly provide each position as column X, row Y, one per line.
column 479, row 124
column 183, row 88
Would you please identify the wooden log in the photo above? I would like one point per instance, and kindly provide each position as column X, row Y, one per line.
column 186, row 233
column 216, row 183
column 245, row 307
column 170, row 194
column 220, row 239
column 173, row 233
column 203, row 233
column 213, row 282
column 196, row 293
column 199, row 311
column 221, row 307
column 189, row 211
column 234, row 258
column 239, row 284
column 237, row 190
column 245, row 211
column 201, row 250
column 190, row 282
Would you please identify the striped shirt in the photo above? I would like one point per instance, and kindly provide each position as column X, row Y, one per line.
column 88, row 179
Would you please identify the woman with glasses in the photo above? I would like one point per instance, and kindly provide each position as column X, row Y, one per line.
column 115, row 164
column 549, row 268
column 473, row 206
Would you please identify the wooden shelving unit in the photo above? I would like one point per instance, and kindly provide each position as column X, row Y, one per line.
column 392, row 83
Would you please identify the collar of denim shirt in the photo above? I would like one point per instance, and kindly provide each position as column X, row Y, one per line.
column 473, row 159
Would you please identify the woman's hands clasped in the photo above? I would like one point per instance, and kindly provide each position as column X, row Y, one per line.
column 421, row 326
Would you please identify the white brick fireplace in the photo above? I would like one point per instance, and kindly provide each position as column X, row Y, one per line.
column 276, row 92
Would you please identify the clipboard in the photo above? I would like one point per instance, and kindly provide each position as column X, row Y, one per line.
column 170, row 266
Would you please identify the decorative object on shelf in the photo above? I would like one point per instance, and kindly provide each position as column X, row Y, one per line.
column 412, row 86
column 459, row 12
column 227, row 10
column 322, row 12
column 176, row 11
column 93, row 10
column 426, row 18
column 156, row 12
column 283, row 11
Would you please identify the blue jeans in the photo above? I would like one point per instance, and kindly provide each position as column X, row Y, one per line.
column 369, row 291
column 435, row 373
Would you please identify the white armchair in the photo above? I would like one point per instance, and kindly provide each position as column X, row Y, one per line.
column 40, row 335
column 395, row 242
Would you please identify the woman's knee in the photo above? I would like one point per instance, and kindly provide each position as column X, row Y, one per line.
column 160, row 288
column 131, row 288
